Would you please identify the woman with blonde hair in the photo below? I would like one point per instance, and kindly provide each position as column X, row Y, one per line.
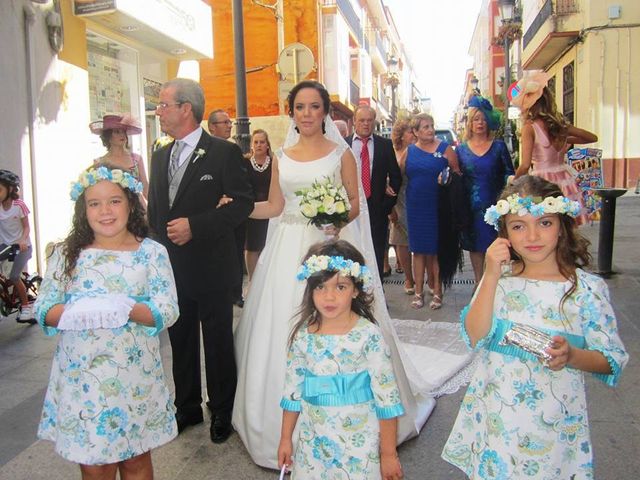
column 402, row 136
column 426, row 161
column 486, row 164
column 259, row 167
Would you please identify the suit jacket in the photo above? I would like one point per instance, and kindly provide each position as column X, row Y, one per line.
column 208, row 261
column 384, row 165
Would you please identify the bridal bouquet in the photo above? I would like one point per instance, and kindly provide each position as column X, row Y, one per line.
column 325, row 203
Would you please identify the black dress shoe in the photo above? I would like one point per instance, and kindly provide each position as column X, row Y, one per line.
column 186, row 420
column 220, row 428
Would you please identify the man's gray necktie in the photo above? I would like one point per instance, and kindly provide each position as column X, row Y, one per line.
column 174, row 161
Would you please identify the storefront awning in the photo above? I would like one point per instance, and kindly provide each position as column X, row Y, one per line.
column 178, row 27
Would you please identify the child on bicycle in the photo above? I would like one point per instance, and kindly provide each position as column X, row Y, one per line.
column 14, row 230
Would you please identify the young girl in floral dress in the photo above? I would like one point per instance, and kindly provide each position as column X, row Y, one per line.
column 339, row 381
column 522, row 417
column 107, row 293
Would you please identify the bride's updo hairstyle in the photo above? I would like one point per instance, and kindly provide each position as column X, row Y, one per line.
column 317, row 86
column 360, row 305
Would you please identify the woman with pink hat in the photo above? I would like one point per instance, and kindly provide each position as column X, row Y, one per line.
column 546, row 135
column 114, row 131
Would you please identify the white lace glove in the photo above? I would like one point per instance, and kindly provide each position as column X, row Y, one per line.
column 104, row 311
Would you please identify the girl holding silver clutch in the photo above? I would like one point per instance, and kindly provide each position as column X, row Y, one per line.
column 538, row 321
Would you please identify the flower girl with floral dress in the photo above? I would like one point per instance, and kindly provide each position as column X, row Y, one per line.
column 107, row 293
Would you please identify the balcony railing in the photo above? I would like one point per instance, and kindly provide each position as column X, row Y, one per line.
column 566, row 7
column 381, row 47
column 544, row 13
column 351, row 16
column 354, row 93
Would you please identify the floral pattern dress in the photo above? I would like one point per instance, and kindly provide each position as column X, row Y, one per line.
column 341, row 385
column 518, row 419
column 107, row 399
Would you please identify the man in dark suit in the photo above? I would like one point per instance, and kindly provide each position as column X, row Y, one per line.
column 381, row 177
column 220, row 124
column 187, row 179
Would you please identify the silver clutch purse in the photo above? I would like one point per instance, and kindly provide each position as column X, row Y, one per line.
column 530, row 340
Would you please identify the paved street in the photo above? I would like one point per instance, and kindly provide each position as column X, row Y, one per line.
column 25, row 358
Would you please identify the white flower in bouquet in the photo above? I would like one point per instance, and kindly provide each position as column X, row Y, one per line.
column 308, row 210
column 325, row 203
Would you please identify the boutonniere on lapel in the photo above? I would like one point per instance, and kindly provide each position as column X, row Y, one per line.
column 199, row 153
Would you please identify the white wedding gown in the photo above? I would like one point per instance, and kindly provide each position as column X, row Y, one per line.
column 270, row 310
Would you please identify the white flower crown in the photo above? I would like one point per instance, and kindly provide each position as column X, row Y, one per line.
column 535, row 206
column 345, row 267
column 94, row 175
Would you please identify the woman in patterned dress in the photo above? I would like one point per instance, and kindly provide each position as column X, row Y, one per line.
column 402, row 136
column 339, row 386
column 525, row 415
column 107, row 293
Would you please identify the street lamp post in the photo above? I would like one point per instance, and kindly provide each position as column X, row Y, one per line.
column 506, row 14
column 393, row 80
column 474, row 85
column 243, row 138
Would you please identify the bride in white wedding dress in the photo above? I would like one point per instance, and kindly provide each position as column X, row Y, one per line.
column 275, row 294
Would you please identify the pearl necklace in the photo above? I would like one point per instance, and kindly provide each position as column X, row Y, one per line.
column 260, row 168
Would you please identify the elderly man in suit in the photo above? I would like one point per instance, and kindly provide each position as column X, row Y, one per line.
column 381, row 177
column 187, row 179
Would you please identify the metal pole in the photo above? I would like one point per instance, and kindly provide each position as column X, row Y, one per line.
column 242, row 136
column 507, row 82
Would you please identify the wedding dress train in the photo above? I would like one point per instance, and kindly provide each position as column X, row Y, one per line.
column 274, row 298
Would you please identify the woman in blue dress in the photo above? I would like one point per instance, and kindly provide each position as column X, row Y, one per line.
column 486, row 164
column 426, row 160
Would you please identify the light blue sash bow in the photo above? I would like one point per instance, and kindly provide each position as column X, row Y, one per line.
column 337, row 390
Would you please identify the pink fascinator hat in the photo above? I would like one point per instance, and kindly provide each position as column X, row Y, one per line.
column 113, row 121
column 526, row 91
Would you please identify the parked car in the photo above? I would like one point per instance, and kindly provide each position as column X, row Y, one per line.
column 447, row 135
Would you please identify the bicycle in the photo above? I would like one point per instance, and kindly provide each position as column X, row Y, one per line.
column 9, row 300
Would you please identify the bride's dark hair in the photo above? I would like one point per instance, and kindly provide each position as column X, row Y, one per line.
column 361, row 305
column 317, row 86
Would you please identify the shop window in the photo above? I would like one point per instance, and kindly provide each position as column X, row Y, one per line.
column 113, row 83
column 568, row 92
column 113, row 77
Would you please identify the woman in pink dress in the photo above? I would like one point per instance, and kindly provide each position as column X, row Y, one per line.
column 546, row 136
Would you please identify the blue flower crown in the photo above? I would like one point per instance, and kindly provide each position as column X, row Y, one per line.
column 535, row 206
column 345, row 267
column 94, row 175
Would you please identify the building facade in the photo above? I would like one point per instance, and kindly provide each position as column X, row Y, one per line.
column 354, row 47
column 70, row 63
column 587, row 47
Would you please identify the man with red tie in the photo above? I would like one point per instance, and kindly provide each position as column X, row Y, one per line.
column 379, row 169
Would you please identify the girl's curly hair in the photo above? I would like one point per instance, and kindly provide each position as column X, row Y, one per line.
column 572, row 250
column 81, row 234
column 362, row 305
